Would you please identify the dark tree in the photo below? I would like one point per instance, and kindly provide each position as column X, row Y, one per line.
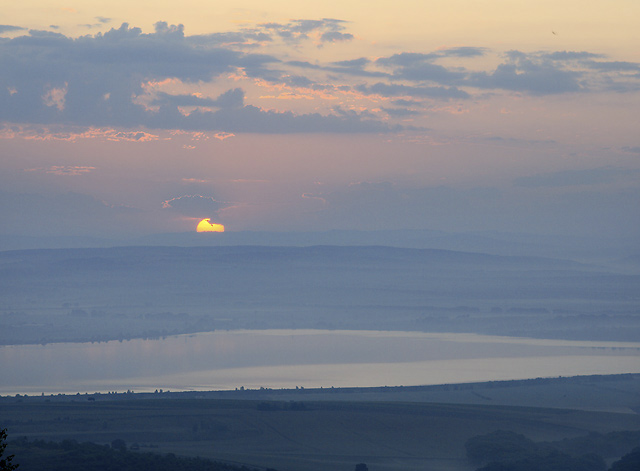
column 119, row 444
column 5, row 463
column 499, row 446
column 629, row 462
column 361, row 467
column 73, row 456
column 553, row 461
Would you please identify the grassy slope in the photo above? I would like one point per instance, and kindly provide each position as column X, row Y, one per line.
column 606, row 393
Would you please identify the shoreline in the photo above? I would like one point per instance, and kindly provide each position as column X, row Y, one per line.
column 331, row 393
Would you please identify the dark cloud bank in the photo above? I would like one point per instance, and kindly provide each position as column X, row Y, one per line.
column 49, row 78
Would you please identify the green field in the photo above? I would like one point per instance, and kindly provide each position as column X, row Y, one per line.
column 302, row 432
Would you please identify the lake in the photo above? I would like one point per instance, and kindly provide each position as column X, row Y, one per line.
column 308, row 358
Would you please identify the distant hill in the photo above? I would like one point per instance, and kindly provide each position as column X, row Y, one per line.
column 566, row 247
column 122, row 292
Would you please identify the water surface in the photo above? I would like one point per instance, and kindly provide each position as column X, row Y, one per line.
column 308, row 358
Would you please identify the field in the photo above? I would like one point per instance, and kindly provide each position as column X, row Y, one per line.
column 310, row 430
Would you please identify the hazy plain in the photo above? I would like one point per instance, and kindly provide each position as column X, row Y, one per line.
column 76, row 295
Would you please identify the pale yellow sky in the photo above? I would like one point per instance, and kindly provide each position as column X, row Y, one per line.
column 606, row 27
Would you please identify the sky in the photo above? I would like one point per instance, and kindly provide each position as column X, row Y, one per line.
column 122, row 119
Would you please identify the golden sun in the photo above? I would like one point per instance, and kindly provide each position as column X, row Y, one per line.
column 206, row 226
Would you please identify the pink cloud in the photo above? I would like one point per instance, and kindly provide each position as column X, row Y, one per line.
column 74, row 134
column 55, row 97
column 62, row 170
column 223, row 135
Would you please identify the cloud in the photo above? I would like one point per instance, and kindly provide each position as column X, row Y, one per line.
column 385, row 205
column 193, row 205
column 528, row 76
column 403, row 102
column 10, row 28
column 335, row 36
column 238, row 39
column 94, row 80
column 91, row 25
column 232, row 117
column 400, row 112
column 406, row 59
column 305, row 64
column 221, row 136
column 72, row 133
column 233, row 98
column 416, row 59
column 90, row 68
column 426, row 71
column 62, row 214
column 538, row 73
column 123, row 52
column 298, row 81
column 618, row 66
column 570, row 55
column 295, row 31
column 63, row 170
column 350, row 67
column 55, row 97
column 387, row 90
column 360, row 62
column 464, row 51
column 102, row 80
column 518, row 142
column 136, row 136
column 566, row 178
column 256, row 120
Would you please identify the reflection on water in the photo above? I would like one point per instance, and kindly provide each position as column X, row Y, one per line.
column 308, row 358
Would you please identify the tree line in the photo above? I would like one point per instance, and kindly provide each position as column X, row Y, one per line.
column 510, row 451
column 69, row 455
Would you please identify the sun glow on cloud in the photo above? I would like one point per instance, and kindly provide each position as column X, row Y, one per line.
column 206, row 226
column 74, row 133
